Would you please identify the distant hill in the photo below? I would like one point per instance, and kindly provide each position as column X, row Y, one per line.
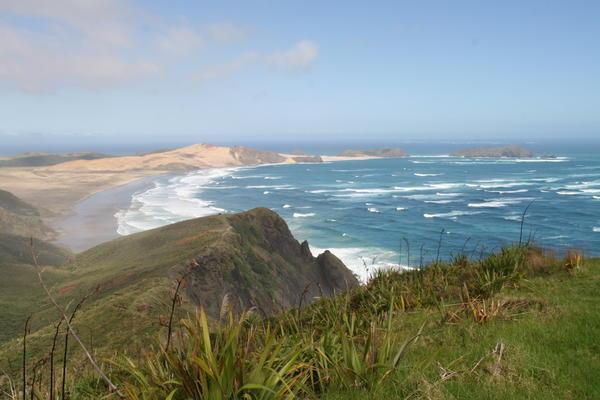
column 15, row 249
column 20, row 218
column 43, row 159
column 385, row 152
column 185, row 158
column 13, row 204
column 503, row 151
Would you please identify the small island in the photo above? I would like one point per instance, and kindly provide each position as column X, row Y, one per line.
column 384, row 153
column 511, row 151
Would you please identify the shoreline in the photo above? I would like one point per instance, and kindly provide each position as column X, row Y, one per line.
column 92, row 220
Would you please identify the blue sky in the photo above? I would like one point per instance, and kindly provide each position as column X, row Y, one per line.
column 243, row 71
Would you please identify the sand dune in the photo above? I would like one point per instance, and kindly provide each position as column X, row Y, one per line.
column 185, row 158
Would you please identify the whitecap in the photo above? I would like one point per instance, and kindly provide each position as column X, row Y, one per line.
column 504, row 185
column 508, row 191
column 596, row 229
column 400, row 208
column 301, row 215
column 567, row 193
column 513, row 217
column 448, row 194
column 266, row 192
column 496, row 203
column 440, row 201
column 424, row 174
column 266, row 186
column 373, row 210
column 451, row 214
column 286, row 206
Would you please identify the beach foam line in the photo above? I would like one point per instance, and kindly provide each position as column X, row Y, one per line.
column 170, row 201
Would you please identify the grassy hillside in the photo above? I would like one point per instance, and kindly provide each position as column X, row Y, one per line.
column 20, row 218
column 518, row 324
column 17, row 250
column 13, row 204
column 251, row 257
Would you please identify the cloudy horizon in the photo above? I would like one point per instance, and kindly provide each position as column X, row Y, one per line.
column 275, row 71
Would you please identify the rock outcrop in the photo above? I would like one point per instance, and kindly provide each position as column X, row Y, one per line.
column 250, row 257
column 512, row 151
column 381, row 153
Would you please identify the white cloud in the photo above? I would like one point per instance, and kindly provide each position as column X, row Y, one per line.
column 179, row 40
column 229, row 68
column 225, row 31
column 297, row 58
column 104, row 21
column 184, row 38
column 49, row 45
column 35, row 61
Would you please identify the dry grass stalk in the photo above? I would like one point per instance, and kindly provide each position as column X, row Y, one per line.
column 63, row 315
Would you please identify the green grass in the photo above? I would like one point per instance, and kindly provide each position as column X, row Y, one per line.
column 517, row 324
column 514, row 325
column 552, row 352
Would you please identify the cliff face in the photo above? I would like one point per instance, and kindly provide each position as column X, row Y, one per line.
column 252, row 257
column 503, row 151
column 259, row 264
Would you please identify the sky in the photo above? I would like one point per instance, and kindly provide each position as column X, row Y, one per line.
column 128, row 71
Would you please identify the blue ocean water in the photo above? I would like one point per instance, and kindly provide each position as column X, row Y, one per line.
column 376, row 212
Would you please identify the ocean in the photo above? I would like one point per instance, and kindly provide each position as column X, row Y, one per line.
column 380, row 212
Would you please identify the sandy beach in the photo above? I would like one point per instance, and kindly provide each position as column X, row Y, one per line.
column 92, row 221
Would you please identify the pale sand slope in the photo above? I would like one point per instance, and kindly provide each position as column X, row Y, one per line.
column 59, row 187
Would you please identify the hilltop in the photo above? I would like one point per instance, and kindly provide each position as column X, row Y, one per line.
column 512, row 151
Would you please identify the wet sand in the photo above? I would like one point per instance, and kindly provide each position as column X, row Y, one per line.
column 92, row 220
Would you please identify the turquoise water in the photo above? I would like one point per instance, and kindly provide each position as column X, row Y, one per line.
column 369, row 210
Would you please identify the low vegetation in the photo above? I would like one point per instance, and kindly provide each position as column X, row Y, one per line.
column 520, row 323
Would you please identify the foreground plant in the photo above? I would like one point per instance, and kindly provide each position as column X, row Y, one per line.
column 232, row 361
